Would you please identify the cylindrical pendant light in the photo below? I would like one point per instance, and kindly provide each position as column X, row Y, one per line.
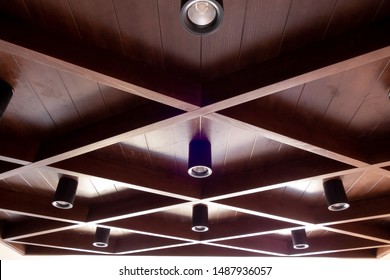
column 6, row 93
column 101, row 237
column 335, row 195
column 65, row 193
column 201, row 17
column 200, row 218
column 199, row 158
column 299, row 239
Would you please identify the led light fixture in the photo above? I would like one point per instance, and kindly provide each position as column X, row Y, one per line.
column 299, row 239
column 200, row 217
column 101, row 237
column 65, row 193
column 335, row 195
column 199, row 158
column 201, row 17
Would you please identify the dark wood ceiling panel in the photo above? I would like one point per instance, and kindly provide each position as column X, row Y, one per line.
column 263, row 31
column 371, row 121
column 135, row 152
column 17, row 8
column 283, row 104
column 118, row 101
column 97, row 23
column 162, row 150
column 315, row 99
column 139, row 26
column 384, row 10
column 289, row 93
column 380, row 188
column 350, row 14
column 58, row 104
column 307, row 21
column 82, row 92
column 26, row 109
column 220, row 51
column 54, row 15
column 354, row 83
column 181, row 49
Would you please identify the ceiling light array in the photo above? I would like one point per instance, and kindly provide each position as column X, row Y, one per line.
column 64, row 197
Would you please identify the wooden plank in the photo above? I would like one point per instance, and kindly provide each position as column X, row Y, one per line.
column 138, row 242
column 139, row 178
column 221, row 50
column 383, row 253
column 243, row 228
column 97, row 64
column 307, row 22
column 200, row 250
column 140, row 204
column 352, row 91
column 97, row 23
column 262, row 31
column 362, row 231
column 371, row 121
column 349, row 14
column 16, row 8
column 156, row 225
column 70, row 240
column 86, row 97
column 359, row 211
column 330, row 244
column 33, row 227
column 58, row 104
column 288, row 131
column 140, row 31
column 262, row 206
column 53, row 13
column 274, row 176
column 260, row 243
column 338, row 54
column 40, row 207
column 182, row 59
column 108, row 131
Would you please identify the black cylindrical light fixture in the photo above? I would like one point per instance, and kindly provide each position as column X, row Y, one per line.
column 101, row 237
column 200, row 218
column 299, row 239
column 335, row 195
column 65, row 193
column 199, row 158
column 6, row 93
column 201, row 17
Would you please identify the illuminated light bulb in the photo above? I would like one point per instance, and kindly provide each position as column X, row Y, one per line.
column 202, row 13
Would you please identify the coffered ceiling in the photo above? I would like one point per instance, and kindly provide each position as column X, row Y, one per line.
column 111, row 92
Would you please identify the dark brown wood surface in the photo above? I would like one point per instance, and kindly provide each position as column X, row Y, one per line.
column 289, row 93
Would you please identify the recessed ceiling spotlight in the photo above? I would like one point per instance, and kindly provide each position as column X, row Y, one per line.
column 200, row 218
column 199, row 158
column 101, row 237
column 335, row 195
column 201, row 17
column 65, row 193
column 299, row 239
